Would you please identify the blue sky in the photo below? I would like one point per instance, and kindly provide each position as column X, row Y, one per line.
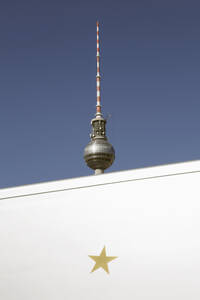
column 150, row 67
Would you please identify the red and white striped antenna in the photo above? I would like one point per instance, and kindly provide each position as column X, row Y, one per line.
column 98, row 77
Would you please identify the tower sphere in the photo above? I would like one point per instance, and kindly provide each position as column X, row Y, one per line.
column 99, row 154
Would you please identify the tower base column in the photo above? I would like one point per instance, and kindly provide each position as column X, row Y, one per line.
column 98, row 171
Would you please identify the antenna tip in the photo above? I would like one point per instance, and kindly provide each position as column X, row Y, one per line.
column 97, row 22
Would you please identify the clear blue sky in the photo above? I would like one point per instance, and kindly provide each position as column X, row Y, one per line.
column 150, row 66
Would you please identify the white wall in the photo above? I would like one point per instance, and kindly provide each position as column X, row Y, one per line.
column 151, row 224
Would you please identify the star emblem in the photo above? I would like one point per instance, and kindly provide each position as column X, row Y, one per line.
column 102, row 261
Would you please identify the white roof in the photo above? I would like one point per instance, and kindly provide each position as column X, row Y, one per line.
column 106, row 178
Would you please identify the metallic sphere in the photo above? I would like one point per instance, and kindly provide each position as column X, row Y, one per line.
column 99, row 154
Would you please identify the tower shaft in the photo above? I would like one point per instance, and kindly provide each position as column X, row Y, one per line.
column 99, row 153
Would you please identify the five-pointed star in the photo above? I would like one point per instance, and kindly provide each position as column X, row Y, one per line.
column 102, row 260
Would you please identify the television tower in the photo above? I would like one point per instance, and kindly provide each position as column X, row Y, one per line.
column 99, row 153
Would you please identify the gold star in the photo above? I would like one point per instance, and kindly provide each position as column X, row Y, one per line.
column 102, row 260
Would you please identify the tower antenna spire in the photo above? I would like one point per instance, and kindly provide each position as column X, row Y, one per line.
column 99, row 154
column 98, row 77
